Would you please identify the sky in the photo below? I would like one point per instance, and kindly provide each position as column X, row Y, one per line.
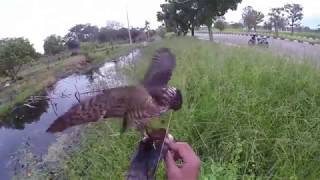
column 37, row 19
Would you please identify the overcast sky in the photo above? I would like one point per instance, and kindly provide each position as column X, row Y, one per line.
column 36, row 19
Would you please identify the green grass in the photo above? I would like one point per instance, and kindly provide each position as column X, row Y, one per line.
column 302, row 36
column 247, row 114
column 41, row 75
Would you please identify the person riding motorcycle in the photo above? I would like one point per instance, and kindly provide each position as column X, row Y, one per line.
column 253, row 37
column 263, row 41
column 252, row 41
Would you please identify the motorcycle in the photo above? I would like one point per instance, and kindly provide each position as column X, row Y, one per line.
column 263, row 41
column 260, row 41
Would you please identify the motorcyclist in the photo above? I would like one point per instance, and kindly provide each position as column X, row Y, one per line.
column 253, row 37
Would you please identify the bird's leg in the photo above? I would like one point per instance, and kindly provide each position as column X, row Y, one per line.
column 140, row 126
column 124, row 125
column 149, row 131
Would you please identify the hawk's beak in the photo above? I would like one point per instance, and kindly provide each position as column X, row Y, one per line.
column 176, row 102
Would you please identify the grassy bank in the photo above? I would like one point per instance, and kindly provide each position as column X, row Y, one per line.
column 249, row 115
column 42, row 74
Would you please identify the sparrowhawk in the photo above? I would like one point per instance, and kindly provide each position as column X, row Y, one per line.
column 135, row 104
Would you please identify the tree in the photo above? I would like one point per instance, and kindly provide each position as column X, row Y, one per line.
column 114, row 25
column 103, row 35
column 294, row 15
column 277, row 19
column 267, row 25
column 72, row 42
column 179, row 16
column 252, row 18
column 208, row 10
column 14, row 53
column 167, row 16
column 106, row 34
column 184, row 15
column 187, row 14
column 84, row 32
column 121, row 34
column 220, row 24
column 161, row 31
column 53, row 45
column 236, row 25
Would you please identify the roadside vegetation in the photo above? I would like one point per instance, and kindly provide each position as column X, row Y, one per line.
column 283, row 22
column 312, row 37
column 25, row 72
column 40, row 74
column 247, row 113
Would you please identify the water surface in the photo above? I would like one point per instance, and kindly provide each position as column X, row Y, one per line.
column 28, row 125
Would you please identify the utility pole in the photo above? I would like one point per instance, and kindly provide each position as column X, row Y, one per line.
column 129, row 27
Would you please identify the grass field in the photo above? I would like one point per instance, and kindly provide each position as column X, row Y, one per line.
column 42, row 74
column 249, row 115
column 303, row 34
column 311, row 37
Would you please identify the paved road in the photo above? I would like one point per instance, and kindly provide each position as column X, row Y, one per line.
column 282, row 47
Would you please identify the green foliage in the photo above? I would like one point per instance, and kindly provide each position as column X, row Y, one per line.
column 38, row 77
column 112, row 32
column 251, row 17
column 73, row 44
column 96, row 52
column 83, row 32
column 208, row 10
column 53, row 45
column 88, row 47
column 181, row 15
column 236, row 25
column 277, row 18
column 247, row 114
column 169, row 35
column 176, row 16
column 14, row 53
column 294, row 14
column 161, row 31
column 267, row 25
column 220, row 24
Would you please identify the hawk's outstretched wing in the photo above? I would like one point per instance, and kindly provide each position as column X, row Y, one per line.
column 160, row 69
column 115, row 102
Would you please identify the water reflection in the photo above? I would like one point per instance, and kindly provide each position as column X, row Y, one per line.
column 29, row 124
column 25, row 114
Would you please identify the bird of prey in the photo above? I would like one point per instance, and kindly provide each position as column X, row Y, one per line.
column 137, row 105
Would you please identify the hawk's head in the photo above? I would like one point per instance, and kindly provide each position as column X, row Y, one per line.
column 176, row 100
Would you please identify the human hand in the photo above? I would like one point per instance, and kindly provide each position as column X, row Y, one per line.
column 190, row 167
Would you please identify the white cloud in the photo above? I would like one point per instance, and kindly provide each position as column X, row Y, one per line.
column 311, row 9
column 36, row 19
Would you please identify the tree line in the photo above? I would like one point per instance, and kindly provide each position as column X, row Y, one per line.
column 180, row 16
column 112, row 32
column 279, row 18
column 15, row 52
